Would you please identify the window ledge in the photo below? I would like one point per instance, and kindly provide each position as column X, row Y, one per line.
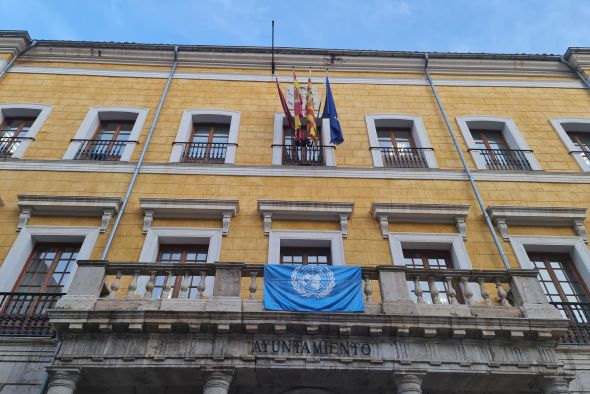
column 173, row 208
column 539, row 216
column 420, row 213
column 104, row 207
column 306, row 210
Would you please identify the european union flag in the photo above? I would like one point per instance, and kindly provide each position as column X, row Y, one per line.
column 336, row 136
column 313, row 288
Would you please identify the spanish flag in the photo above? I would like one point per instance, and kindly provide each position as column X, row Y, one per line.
column 297, row 109
column 312, row 130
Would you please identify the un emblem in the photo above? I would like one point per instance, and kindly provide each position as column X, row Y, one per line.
column 313, row 281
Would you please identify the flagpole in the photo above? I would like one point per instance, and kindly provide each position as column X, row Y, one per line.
column 322, row 95
column 273, row 68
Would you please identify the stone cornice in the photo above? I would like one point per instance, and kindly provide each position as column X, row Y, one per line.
column 13, row 42
column 104, row 207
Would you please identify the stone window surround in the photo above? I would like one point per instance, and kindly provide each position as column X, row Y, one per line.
column 97, row 114
column 509, row 130
column 277, row 141
column 583, row 124
column 419, row 134
column 42, row 205
column 304, row 238
column 385, row 213
column 538, row 216
column 24, row 244
column 177, row 208
column 430, row 241
column 40, row 111
column 305, row 210
column 189, row 117
column 574, row 246
column 157, row 236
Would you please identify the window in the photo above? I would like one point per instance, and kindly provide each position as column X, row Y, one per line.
column 207, row 136
column 306, row 255
column 399, row 141
column 107, row 134
column 430, row 259
column 287, row 151
column 108, row 142
column 19, row 125
column 575, row 135
column 180, row 254
column 208, row 143
column 49, row 269
column 496, row 144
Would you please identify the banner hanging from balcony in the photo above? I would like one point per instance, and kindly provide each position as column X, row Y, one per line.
column 313, row 288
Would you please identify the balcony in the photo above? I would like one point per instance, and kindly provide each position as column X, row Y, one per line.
column 403, row 157
column 100, row 150
column 505, row 159
column 25, row 314
column 200, row 152
column 578, row 314
column 8, row 145
column 303, row 155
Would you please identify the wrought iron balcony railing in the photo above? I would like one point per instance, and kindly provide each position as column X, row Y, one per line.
column 403, row 157
column 584, row 154
column 203, row 152
column 303, row 155
column 8, row 145
column 25, row 314
column 578, row 314
column 505, row 159
column 101, row 150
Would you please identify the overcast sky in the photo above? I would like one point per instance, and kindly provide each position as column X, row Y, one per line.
column 508, row 26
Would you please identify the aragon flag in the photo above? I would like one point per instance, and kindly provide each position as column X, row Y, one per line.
column 288, row 115
column 312, row 130
column 297, row 109
column 336, row 136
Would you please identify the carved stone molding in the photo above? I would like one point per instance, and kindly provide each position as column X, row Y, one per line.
column 175, row 208
column 538, row 216
column 103, row 207
column 385, row 213
column 305, row 210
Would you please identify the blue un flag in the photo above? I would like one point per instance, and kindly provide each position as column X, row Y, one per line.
column 313, row 288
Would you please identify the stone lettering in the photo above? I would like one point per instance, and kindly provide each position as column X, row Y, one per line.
column 365, row 349
column 314, row 347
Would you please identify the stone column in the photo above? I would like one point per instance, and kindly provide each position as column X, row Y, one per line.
column 62, row 381
column 555, row 385
column 408, row 384
column 218, row 382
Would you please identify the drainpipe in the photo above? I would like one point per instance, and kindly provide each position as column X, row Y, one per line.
column 14, row 59
column 576, row 71
column 465, row 166
column 141, row 157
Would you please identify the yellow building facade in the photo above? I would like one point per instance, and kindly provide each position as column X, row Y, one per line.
column 126, row 152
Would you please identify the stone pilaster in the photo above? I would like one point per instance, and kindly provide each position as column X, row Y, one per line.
column 555, row 385
column 218, row 382
column 63, row 381
column 408, row 384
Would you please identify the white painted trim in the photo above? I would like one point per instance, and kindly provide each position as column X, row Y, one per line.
column 510, row 131
column 277, row 140
column 44, row 111
column 90, row 124
column 157, row 236
column 254, row 77
column 191, row 116
column 558, row 123
column 573, row 245
column 433, row 241
column 418, row 134
column 334, row 237
column 24, row 244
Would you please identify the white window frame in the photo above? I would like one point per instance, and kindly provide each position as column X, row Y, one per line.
column 189, row 117
column 29, row 236
column 93, row 119
column 510, row 132
column 157, row 236
column 333, row 237
column 584, row 124
column 430, row 241
column 419, row 135
column 574, row 246
column 25, row 110
column 277, row 141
